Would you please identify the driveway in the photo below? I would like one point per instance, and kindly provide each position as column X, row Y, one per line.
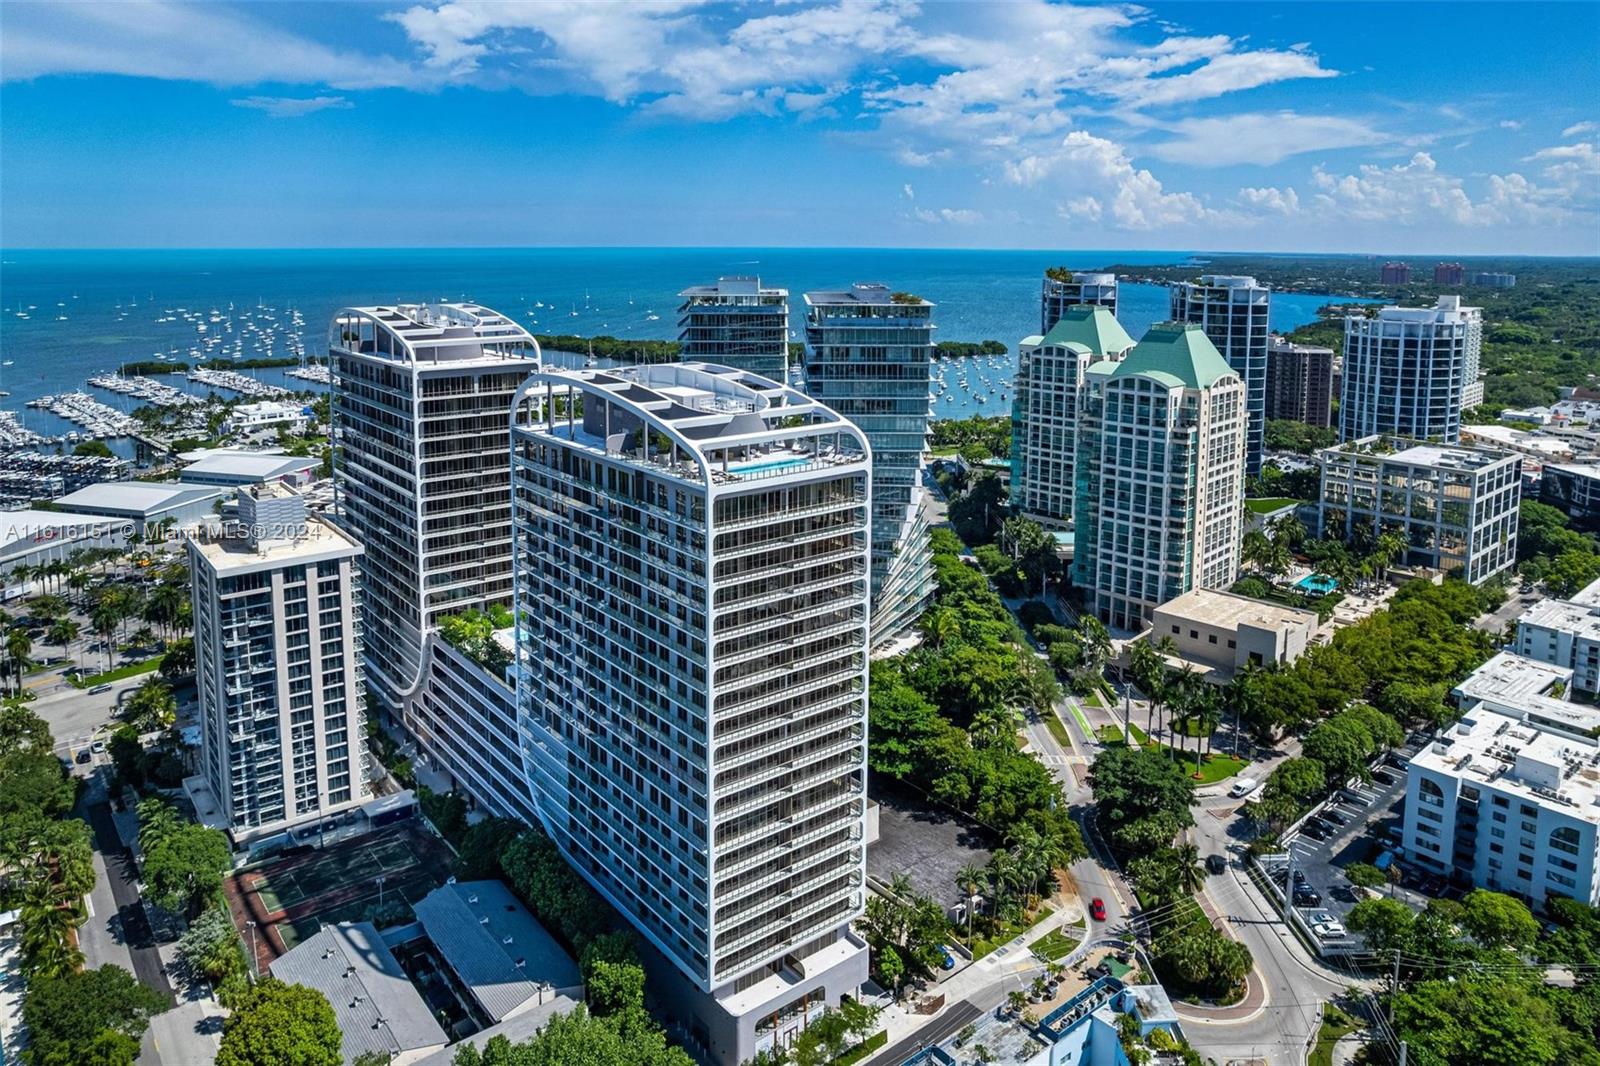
column 124, row 917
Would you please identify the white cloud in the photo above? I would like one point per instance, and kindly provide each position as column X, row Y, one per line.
column 1104, row 182
column 911, row 194
column 1228, row 73
column 1417, row 192
column 1278, row 201
column 291, row 107
column 204, row 42
column 1510, row 124
column 1581, row 127
column 1262, row 138
column 955, row 216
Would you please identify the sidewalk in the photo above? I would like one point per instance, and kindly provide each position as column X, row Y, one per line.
column 190, row 1032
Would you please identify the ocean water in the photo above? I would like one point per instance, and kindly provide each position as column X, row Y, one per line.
column 87, row 311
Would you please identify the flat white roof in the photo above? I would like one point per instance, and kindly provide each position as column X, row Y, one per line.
column 1496, row 750
column 1231, row 610
column 247, row 464
column 143, row 497
column 1515, row 685
column 44, row 526
column 231, row 553
column 1564, row 616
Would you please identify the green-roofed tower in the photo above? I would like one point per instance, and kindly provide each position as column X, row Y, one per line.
column 1159, row 492
column 1044, row 411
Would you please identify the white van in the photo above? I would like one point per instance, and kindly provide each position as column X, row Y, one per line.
column 1243, row 787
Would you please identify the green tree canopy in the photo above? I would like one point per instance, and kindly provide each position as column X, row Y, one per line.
column 274, row 1024
column 92, row 1016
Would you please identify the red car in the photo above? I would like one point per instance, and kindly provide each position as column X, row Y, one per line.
column 1097, row 909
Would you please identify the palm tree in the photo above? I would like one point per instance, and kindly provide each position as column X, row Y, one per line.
column 1289, row 530
column 63, row 631
column 161, row 608
column 995, row 724
column 1148, row 666
column 1209, row 715
column 1184, row 696
column 940, row 626
column 47, row 925
column 1253, row 548
column 1033, row 859
column 968, row 878
column 19, row 646
column 1096, row 641
column 1002, row 876
column 104, row 619
column 1189, row 873
column 79, row 581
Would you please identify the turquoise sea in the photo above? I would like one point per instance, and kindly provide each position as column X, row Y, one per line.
column 84, row 312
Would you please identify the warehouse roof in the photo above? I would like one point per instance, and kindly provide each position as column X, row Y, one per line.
column 142, row 498
column 375, row 1003
column 494, row 945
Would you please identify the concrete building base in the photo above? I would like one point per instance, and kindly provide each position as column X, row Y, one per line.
column 734, row 1024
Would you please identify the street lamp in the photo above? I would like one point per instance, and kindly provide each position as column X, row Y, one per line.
column 255, row 966
column 380, row 880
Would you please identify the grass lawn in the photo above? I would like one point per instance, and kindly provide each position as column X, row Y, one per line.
column 1335, row 1023
column 1218, row 767
column 1269, row 504
column 128, row 670
column 981, row 946
column 863, row 1049
column 1054, row 945
column 1058, row 729
column 1093, row 700
column 1112, row 734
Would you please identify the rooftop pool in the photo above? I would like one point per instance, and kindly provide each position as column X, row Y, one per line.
column 769, row 466
column 1316, row 584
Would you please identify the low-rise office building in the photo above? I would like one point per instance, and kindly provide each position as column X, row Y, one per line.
column 1505, row 438
column 1532, row 691
column 249, row 417
column 1456, row 506
column 1503, row 804
column 498, row 952
column 379, row 1011
column 1565, row 633
column 1575, row 489
column 1221, row 632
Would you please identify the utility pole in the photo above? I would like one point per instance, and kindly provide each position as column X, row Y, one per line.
column 255, row 967
column 1394, row 987
column 1402, row 1053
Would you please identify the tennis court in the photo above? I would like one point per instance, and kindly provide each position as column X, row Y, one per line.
column 289, row 899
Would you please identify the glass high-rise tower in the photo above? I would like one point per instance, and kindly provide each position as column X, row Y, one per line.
column 692, row 566
column 868, row 352
column 736, row 323
column 1234, row 310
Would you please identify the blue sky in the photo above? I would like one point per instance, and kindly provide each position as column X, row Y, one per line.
column 1467, row 128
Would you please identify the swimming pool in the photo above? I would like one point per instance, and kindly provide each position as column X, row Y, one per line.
column 768, row 466
column 1316, row 584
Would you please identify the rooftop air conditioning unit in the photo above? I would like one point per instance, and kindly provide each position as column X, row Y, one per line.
column 484, row 920
column 472, row 899
column 507, row 940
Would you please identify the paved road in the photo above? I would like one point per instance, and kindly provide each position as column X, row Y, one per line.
column 118, row 873
column 75, row 716
column 1495, row 621
column 946, row 1025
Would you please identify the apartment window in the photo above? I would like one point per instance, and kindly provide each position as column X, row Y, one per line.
column 1212, row 637
column 1501, row 801
column 1498, row 849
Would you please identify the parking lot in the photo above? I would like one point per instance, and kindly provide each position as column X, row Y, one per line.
column 1358, row 825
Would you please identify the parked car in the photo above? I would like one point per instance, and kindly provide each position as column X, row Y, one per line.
column 1432, row 885
column 1216, row 863
column 1306, row 896
column 84, row 755
column 1299, row 877
column 1315, row 830
column 98, row 747
column 1097, row 909
column 1328, row 930
column 1335, row 817
column 947, row 960
column 1243, row 787
column 1384, row 777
